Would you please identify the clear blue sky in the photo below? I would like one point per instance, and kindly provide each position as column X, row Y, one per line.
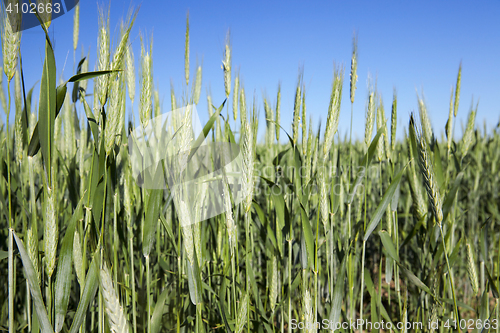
column 407, row 45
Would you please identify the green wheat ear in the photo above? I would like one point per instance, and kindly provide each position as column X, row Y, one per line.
column 296, row 110
column 428, row 175
column 11, row 42
column 226, row 65
column 76, row 26
column 186, row 52
column 457, row 90
column 354, row 67
column 370, row 116
column 471, row 268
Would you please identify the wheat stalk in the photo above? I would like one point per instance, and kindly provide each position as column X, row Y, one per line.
column 173, row 100
column 381, row 124
column 296, row 111
column 121, row 49
column 370, row 117
column 425, row 121
column 308, row 313
column 103, row 44
column 51, row 232
column 156, row 102
column 469, row 130
column 323, row 197
column 242, row 315
column 428, row 175
column 394, row 116
column 457, row 90
column 449, row 123
column 197, row 86
column 116, row 317
column 33, row 250
column 332, row 121
column 78, row 259
column 130, row 72
column 235, row 97
column 186, row 52
column 270, row 124
column 354, row 67
column 243, row 106
column 76, row 26
column 115, row 113
column 209, row 103
column 278, row 104
column 304, row 122
column 248, row 165
column 18, row 128
column 471, row 268
column 273, row 288
column 11, row 41
column 146, row 102
column 226, row 65
column 419, row 205
column 69, row 128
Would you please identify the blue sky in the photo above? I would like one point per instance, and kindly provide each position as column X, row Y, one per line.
column 407, row 45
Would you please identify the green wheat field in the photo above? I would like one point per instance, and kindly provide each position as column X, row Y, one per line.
column 332, row 231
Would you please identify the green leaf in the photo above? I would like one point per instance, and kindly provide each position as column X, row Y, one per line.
column 268, row 231
column 335, row 194
column 386, row 199
column 460, row 304
column 279, row 205
column 391, row 250
column 36, row 294
column 223, row 314
column 438, row 167
column 47, row 108
column 364, row 164
column 168, row 228
column 64, row 269
column 206, row 129
column 280, row 209
column 298, row 179
column 60, row 96
column 34, row 145
column 151, row 221
column 91, row 120
column 229, row 132
column 3, row 255
column 89, row 291
column 194, row 281
column 338, row 293
column 277, row 159
column 372, row 149
column 414, row 279
column 308, row 236
column 76, row 86
column 388, row 244
column 158, row 312
column 90, row 75
column 251, row 277
column 493, row 285
column 450, row 196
